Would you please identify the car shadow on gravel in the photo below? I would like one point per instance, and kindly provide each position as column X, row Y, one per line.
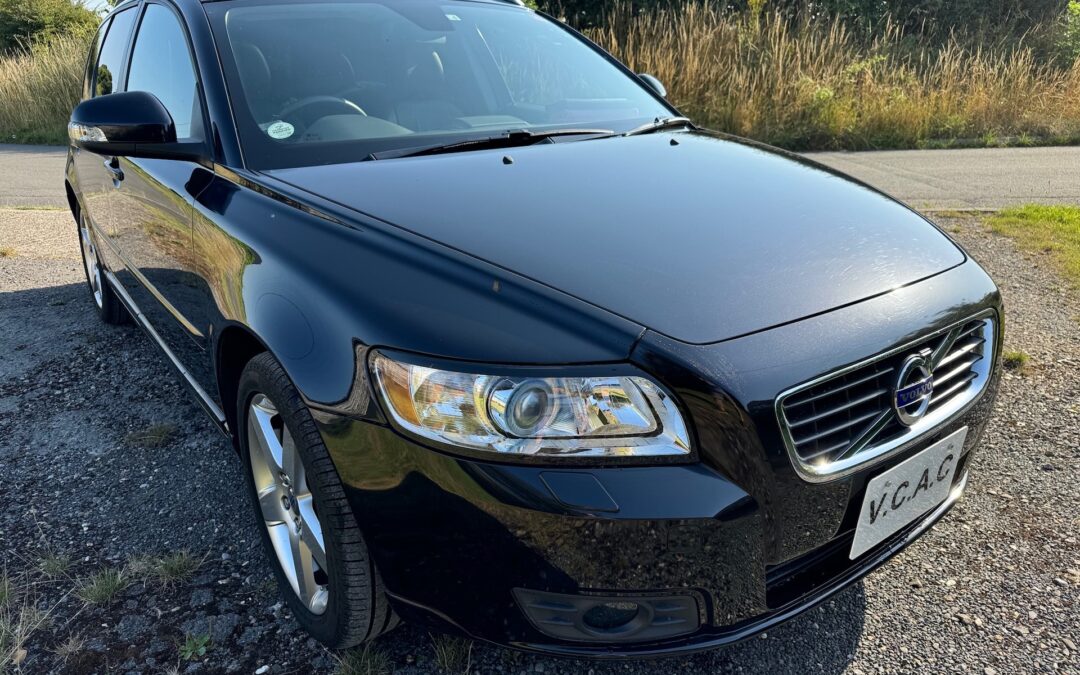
column 108, row 464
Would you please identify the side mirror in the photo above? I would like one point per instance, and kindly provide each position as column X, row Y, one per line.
column 129, row 124
column 654, row 84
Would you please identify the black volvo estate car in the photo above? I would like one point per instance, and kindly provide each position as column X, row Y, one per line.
column 506, row 346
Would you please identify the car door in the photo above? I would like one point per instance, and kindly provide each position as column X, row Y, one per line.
column 96, row 176
column 151, row 206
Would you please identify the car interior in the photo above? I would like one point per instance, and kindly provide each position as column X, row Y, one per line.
column 371, row 70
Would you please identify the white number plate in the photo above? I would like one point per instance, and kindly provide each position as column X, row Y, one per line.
column 907, row 491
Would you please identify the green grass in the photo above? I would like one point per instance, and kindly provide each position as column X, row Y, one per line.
column 452, row 654
column 1051, row 230
column 153, row 436
column 103, row 586
column 1015, row 361
column 168, row 569
column 194, row 647
column 54, row 565
column 369, row 660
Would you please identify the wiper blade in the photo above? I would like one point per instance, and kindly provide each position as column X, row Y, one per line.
column 507, row 139
column 660, row 123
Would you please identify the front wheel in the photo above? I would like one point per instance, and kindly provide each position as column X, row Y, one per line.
column 308, row 529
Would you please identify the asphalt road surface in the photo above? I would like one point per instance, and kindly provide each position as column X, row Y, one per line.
column 104, row 461
column 989, row 178
column 983, row 178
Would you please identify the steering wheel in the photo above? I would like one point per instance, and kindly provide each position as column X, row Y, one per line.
column 311, row 108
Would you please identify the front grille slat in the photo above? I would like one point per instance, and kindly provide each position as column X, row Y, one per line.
column 840, row 408
column 831, row 414
column 832, row 392
column 959, row 351
column 837, row 429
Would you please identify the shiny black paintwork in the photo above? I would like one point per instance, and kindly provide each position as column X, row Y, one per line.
column 320, row 265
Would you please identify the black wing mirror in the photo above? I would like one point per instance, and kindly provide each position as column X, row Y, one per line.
column 654, row 84
column 129, row 124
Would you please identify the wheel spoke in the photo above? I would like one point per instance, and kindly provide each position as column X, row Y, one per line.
column 303, row 569
column 291, row 462
column 282, row 541
column 264, row 437
column 270, row 504
column 311, row 530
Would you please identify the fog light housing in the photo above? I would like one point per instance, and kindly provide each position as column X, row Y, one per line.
column 628, row 618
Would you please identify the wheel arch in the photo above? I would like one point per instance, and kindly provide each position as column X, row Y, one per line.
column 235, row 346
column 73, row 201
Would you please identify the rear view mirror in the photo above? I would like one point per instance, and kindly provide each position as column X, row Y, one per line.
column 128, row 124
column 654, row 84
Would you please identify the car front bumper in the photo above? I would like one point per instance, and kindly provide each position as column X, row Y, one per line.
column 457, row 541
column 730, row 543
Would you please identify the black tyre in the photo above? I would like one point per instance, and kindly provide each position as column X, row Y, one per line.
column 307, row 527
column 108, row 306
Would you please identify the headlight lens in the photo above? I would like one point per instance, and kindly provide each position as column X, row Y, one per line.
column 606, row 416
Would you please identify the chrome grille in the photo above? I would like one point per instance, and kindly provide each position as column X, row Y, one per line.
column 840, row 421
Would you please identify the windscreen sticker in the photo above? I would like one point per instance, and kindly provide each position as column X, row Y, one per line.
column 453, row 17
column 280, row 130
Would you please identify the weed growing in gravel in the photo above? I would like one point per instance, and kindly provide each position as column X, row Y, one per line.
column 452, row 654
column 153, row 436
column 19, row 617
column 367, row 661
column 103, row 586
column 1015, row 361
column 167, row 569
column 194, row 647
column 7, row 252
column 53, row 565
column 71, row 646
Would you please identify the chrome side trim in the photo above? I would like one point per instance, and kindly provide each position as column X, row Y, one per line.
column 869, row 454
column 140, row 318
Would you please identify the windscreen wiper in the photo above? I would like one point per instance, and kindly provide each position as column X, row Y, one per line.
column 507, row 139
column 659, row 124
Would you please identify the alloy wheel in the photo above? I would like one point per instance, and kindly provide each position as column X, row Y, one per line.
column 90, row 260
column 286, row 504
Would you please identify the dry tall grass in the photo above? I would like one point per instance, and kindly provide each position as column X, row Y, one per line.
column 38, row 88
column 815, row 85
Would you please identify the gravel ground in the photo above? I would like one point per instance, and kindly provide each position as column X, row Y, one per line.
column 106, row 464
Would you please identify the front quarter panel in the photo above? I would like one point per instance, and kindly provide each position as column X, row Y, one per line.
column 311, row 283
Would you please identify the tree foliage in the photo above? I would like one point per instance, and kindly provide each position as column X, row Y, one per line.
column 24, row 21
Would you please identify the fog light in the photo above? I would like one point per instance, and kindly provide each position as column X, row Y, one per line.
column 611, row 616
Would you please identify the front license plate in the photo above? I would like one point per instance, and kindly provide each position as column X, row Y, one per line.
column 906, row 491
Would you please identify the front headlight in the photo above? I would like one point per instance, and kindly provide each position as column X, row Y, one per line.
column 605, row 416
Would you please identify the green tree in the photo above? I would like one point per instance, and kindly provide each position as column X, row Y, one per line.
column 24, row 21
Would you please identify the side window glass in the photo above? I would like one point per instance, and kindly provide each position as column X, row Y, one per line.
column 161, row 64
column 111, row 57
column 92, row 60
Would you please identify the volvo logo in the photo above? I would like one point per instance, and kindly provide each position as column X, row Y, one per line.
column 914, row 386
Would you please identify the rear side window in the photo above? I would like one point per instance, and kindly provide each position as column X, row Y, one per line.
column 161, row 64
column 92, row 61
column 111, row 57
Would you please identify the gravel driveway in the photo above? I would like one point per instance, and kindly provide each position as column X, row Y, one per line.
column 106, row 464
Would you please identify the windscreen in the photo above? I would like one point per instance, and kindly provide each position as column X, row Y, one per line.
column 325, row 82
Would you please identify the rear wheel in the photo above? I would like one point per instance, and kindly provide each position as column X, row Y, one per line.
column 108, row 306
column 308, row 529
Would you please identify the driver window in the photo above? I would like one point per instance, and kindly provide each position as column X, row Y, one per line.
column 161, row 64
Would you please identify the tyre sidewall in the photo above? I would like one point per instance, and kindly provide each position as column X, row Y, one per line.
column 259, row 378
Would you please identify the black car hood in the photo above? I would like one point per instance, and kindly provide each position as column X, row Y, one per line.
column 702, row 240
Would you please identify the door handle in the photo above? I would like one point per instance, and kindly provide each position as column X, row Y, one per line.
column 113, row 166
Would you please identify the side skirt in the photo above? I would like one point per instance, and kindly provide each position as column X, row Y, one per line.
column 204, row 399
